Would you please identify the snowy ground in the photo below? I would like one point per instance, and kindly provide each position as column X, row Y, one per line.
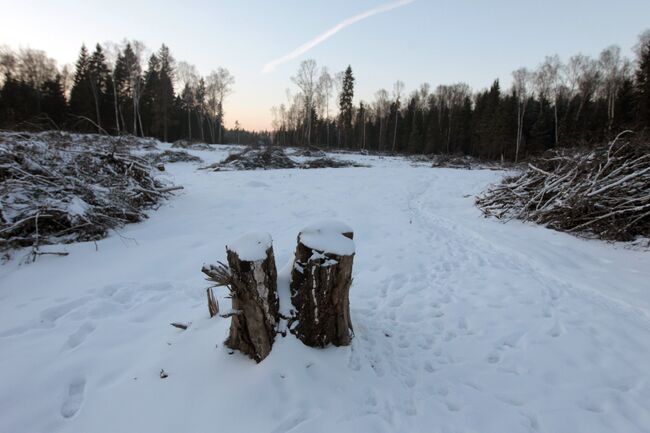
column 462, row 324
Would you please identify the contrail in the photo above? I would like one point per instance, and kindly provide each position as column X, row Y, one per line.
column 270, row 66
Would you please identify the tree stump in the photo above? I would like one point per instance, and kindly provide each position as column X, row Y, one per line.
column 255, row 303
column 320, row 284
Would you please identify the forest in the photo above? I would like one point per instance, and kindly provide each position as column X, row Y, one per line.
column 110, row 92
column 582, row 100
column 556, row 104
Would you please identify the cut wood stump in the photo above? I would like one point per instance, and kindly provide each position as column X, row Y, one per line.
column 255, row 304
column 320, row 285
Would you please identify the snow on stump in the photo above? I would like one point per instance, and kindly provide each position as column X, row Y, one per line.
column 320, row 284
column 254, row 292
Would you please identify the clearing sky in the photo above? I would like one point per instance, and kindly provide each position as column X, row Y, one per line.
column 262, row 43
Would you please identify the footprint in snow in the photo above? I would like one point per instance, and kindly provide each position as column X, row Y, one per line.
column 75, row 398
column 493, row 358
column 79, row 336
column 556, row 330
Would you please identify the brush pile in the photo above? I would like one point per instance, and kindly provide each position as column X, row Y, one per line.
column 186, row 144
column 273, row 158
column 326, row 162
column 602, row 192
column 58, row 187
column 172, row 156
column 463, row 162
column 309, row 152
column 255, row 158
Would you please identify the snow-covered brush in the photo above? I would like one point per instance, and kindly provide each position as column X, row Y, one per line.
column 273, row 157
column 60, row 188
column 255, row 158
column 602, row 192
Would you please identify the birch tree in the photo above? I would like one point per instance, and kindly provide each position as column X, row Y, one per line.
column 306, row 80
column 521, row 86
column 187, row 78
column 381, row 110
column 325, row 87
column 218, row 86
column 398, row 88
column 613, row 69
column 549, row 75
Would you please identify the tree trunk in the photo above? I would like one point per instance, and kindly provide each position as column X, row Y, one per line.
column 320, row 285
column 255, row 304
column 189, row 126
column 117, row 117
column 395, row 132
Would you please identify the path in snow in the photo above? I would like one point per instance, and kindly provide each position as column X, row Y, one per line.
column 461, row 323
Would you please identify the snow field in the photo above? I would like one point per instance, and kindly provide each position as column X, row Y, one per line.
column 461, row 324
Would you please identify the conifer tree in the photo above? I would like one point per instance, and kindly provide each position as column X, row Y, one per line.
column 81, row 95
column 345, row 105
column 643, row 87
column 166, row 89
column 99, row 79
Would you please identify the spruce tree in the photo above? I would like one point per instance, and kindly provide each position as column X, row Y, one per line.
column 345, row 105
column 166, row 90
column 150, row 98
column 643, row 87
column 53, row 102
column 81, row 95
column 99, row 78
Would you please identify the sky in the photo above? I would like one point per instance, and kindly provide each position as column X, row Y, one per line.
column 262, row 42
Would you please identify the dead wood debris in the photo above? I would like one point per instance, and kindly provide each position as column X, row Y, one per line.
column 273, row 158
column 59, row 188
column 603, row 192
column 172, row 156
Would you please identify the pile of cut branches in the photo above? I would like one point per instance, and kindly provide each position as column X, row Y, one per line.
column 309, row 151
column 327, row 162
column 272, row 158
column 464, row 162
column 186, row 144
column 255, row 158
column 602, row 192
column 58, row 187
column 171, row 156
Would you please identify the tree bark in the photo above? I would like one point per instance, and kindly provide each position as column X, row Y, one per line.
column 255, row 305
column 320, row 286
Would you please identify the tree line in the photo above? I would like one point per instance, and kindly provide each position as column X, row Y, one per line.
column 111, row 91
column 582, row 100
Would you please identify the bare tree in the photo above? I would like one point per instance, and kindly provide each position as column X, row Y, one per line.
column 34, row 67
column 305, row 79
column 218, row 85
column 583, row 78
column 112, row 51
column 521, row 85
column 187, row 78
column 325, row 87
column 135, row 78
column 398, row 88
column 613, row 69
column 549, row 84
column 381, row 110
column 451, row 98
column 8, row 61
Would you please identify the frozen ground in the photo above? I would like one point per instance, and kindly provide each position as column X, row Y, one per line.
column 462, row 324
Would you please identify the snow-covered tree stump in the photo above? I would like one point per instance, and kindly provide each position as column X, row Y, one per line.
column 255, row 304
column 320, row 284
